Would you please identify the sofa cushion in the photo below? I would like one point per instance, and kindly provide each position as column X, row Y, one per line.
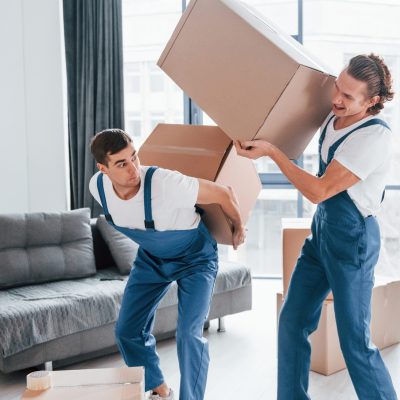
column 43, row 247
column 123, row 249
column 36, row 314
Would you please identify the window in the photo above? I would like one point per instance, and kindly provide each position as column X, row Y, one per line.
column 133, row 125
column 156, row 119
column 150, row 96
column 132, row 77
column 262, row 250
column 389, row 221
column 334, row 31
column 334, row 34
column 157, row 78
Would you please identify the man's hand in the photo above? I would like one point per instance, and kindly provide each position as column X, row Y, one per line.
column 254, row 148
column 214, row 193
column 239, row 236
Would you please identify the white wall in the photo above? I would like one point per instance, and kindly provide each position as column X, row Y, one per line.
column 33, row 114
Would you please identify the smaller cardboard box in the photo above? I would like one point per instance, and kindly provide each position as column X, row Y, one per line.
column 126, row 383
column 294, row 233
column 250, row 77
column 205, row 152
column 326, row 355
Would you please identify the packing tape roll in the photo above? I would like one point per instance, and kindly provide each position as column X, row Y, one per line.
column 38, row 380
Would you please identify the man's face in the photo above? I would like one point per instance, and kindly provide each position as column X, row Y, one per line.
column 123, row 167
column 350, row 96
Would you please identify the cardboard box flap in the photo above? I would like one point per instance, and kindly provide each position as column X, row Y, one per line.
column 103, row 376
column 194, row 150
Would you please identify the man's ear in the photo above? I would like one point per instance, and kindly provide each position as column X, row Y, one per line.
column 374, row 100
column 102, row 168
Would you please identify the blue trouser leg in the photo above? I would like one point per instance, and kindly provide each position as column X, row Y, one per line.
column 194, row 296
column 298, row 319
column 143, row 292
column 352, row 289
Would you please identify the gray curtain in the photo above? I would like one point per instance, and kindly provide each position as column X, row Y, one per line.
column 93, row 47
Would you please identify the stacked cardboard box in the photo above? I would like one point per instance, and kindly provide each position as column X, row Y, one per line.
column 294, row 233
column 326, row 355
column 126, row 383
column 254, row 81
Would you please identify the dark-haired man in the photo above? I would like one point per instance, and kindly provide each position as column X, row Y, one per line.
column 156, row 208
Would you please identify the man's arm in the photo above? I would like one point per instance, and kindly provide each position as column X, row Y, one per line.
column 336, row 179
column 213, row 193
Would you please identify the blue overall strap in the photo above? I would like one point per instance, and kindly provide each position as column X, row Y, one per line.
column 100, row 188
column 148, row 215
column 333, row 148
column 321, row 140
column 323, row 134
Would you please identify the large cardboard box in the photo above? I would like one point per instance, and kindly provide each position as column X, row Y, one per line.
column 205, row 152
column 126, row 383
column 294, row 233
column 251, row 78
column 326, row 355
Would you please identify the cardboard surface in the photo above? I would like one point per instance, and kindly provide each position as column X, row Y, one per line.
column 326, row 355
column 205, row 152
column 126, row 383
column 294, row 233
column 252, row 79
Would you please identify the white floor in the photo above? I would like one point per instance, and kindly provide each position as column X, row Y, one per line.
column 243, row 361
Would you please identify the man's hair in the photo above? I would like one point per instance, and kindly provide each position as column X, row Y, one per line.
column 107, row 142
column 372, row 70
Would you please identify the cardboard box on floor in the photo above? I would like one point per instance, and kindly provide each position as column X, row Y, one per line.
column 126, row 383
column 294, row 233
column 251, row 78
column 326, row 355
column 205, row 152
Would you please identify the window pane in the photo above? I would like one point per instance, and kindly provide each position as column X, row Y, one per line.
column 150, row 95
column 157, row 78
column 308, row 208
column 281, row 13
column 334, row 35
column 133, row 125
column 389, row 221
column 263, row 247
column 132, row 78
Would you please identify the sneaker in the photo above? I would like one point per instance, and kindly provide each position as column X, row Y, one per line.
column 156, row 396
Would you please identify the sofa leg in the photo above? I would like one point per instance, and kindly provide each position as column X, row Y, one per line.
column 48, row 366
column 221, row 324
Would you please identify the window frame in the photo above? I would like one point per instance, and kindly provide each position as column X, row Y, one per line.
column 193, row 114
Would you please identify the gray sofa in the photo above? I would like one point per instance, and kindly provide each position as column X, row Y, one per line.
column 62, row 277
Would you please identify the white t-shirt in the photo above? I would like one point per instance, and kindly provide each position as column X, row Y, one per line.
column 173, row 194
column 366, row 153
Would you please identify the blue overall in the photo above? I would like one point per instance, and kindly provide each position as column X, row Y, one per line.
column 339, row 255
column 188, row 257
